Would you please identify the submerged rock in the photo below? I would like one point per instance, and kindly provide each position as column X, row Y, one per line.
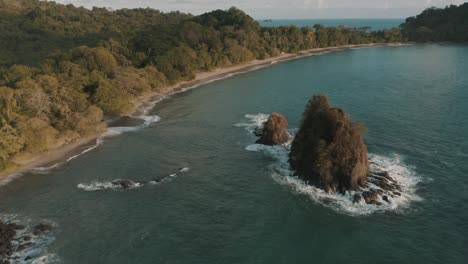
column 357, row 198
column 274, row 130
column 24, row 246
column 41, row 228
column 13, row 242
column 328, row 150
column 7, row 235
column 371, row 196
column 385, row 198
column 126, row 184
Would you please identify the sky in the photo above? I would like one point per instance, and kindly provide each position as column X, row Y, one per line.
column 276, row 9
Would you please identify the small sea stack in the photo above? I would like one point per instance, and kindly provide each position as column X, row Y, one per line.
column 328, row 151
column 274, row 131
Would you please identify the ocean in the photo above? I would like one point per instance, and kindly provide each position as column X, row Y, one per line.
column 208, row 194
column 374, row 24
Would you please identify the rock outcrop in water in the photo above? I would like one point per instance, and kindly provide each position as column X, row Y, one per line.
column 381, row 188
column 328, row 150
column 7, row 234
column 16, row 239
column 274, row 131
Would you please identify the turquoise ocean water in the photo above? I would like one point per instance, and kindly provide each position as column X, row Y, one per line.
column 235, row 202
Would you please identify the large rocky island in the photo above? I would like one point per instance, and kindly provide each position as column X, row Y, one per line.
column 329, row 152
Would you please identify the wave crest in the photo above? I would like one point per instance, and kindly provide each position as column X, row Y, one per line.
column 256, row 121
column 109, row 185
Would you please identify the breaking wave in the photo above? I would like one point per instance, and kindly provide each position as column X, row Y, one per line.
column 30, row 247
column 255, row 121
column 111, row 132
column 110, row 185
column 402, row 173
column 124, row 184
column 147, row 121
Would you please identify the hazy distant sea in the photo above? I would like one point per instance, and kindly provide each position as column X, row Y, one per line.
column 375, row 24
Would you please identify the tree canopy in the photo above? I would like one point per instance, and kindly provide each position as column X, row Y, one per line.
column 438, row 24
column 62, row 68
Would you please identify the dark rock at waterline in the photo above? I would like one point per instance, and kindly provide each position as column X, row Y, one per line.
column 7, row 235
column 329, row 150
column 126, row 184
column 370, row 196
column 357, row 198
column 16, row 226
column 24, row 246
column 384, row 181
column 385, row 198
column 373, row 196
column 274, row 130
column 10, row 244
column 258, row 132
column 41, row 228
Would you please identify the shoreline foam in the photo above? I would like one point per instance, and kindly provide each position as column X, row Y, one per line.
column 143, row 104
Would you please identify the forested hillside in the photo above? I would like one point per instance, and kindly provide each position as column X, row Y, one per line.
column 32, row 29
column 438, row 24
column 62, row 67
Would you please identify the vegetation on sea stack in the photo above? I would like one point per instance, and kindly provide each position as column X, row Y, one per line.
column 329, row 150
column 274, row 131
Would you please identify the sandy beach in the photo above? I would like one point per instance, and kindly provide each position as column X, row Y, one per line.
column 63, row 152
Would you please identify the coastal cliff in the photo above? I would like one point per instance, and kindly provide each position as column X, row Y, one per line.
column 274, row 131
column 328, row 150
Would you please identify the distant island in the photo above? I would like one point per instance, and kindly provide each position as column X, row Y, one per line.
column 268, row 20
column 65, row 70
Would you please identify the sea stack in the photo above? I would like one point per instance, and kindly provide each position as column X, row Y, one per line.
column 328, row 151
column 274, row 131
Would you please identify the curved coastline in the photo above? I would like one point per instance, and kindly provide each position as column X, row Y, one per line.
column 142, row 104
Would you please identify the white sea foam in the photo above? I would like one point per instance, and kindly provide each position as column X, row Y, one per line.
column 37, row 250
column 343, row 203
column 10, row 178
column 46, row 259
column 185, row 169
column 150, row 105
column 97, row 186
column 84, row 151
column 115, row 184
column 107, row 185
column 255, row 121
column 147, row 120
column 111, row 132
